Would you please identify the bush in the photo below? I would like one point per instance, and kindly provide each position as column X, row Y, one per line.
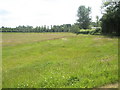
column 85, row 31
column 74, row 29
column 96, row 31
column 90, row 31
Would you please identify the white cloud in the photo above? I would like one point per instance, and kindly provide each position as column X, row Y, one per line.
column 44, row 12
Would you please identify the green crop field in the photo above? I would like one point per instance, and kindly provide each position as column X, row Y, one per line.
column 58, row 60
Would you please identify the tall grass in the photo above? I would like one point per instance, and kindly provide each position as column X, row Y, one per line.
column 82, row 61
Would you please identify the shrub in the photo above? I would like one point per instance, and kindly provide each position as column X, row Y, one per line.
column 74, row 29
column 90, row 31
column 96, row 31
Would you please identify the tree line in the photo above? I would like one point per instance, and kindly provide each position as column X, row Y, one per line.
column 54, row 28
column 109, row 23
column 82, row 23
column 111, row 18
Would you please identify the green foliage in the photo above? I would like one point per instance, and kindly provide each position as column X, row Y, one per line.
column 74, row 29
column 83, row 17
column 38, row 60
column 94, row 24
column 111, row 18
column 96, row 31
column 90, row 31
column 54, row 28
column 97, row 21
column 85, row 31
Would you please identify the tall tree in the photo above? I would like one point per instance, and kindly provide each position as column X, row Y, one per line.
column 84, row 17
column 97, row 21
column 111, row 18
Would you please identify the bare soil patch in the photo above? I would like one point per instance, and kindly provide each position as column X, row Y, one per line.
column 115, row 85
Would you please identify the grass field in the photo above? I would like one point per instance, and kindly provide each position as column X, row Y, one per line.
column 58, row 60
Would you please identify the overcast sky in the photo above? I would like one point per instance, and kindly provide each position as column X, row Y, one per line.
column 44, row 12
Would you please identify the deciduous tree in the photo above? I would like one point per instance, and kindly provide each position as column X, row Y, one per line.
column 84, row 17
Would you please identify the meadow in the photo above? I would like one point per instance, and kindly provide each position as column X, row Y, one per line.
column 58, row 60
